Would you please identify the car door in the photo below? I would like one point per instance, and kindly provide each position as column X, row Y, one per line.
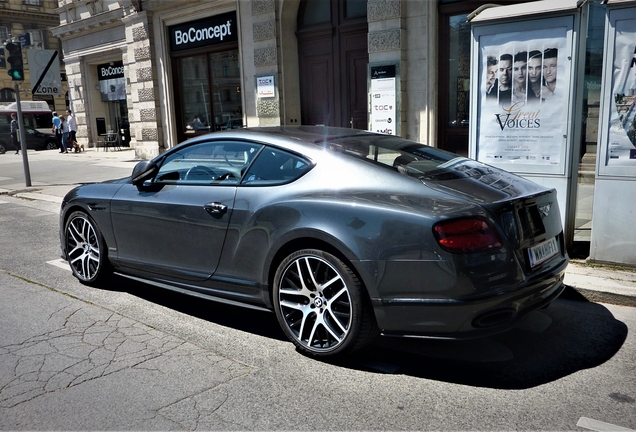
column 175, row 225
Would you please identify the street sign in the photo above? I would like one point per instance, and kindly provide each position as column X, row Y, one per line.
column 25, row 39
column 45, row 72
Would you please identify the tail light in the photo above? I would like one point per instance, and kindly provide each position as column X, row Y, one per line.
column 466, row 235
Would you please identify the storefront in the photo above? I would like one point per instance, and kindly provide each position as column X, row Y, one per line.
column 112, row 89
column 206, row 75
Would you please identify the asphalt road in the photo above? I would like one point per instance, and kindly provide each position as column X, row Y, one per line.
column 134, row 357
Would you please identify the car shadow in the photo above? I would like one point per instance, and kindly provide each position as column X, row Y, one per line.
column 548, row 345
column 260, row 323
column 569, row 336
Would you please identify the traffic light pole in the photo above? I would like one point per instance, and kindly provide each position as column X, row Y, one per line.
column 23, row 145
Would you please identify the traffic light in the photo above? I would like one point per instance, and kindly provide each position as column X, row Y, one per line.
column 16, row 70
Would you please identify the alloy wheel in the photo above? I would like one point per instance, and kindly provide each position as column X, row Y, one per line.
column 83, row 248
column 315, row 303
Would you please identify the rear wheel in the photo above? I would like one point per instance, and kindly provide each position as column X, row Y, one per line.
column 321, row 305
column 3, row 148
column 86, row 249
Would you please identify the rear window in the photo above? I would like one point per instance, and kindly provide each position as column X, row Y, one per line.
column 408, row 157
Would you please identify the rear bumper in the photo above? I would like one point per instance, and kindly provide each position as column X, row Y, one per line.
column 465, row 319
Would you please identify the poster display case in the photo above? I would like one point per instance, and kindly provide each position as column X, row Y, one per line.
column 525, row 109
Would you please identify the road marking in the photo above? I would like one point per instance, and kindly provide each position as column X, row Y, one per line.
column 60, row 263
column 600, row 426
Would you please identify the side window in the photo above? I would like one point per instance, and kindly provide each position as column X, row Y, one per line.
column 207, row 163
column 273, row 166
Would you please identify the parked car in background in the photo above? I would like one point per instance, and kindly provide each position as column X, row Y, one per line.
column 35, row 139
column 343, row 234
column 37, row 119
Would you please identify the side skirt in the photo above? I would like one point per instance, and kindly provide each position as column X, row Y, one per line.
column 195, row 293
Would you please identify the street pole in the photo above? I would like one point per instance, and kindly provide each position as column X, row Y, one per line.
column 23, row 145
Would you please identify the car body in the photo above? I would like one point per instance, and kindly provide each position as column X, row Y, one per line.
column 35, row 139
column 343, row 233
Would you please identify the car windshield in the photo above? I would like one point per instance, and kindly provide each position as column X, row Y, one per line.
column 408, row 157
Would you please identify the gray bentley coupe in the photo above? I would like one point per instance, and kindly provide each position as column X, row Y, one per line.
column 344, row 234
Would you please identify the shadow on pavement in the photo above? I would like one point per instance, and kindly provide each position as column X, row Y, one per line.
column 550, row 344
column 249, row 320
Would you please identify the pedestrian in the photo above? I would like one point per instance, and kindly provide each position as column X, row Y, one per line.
column 64, row 132
column 56, row 130
column 72, row 129
column 14, row 133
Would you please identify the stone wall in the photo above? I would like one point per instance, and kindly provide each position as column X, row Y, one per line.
column 142, row 93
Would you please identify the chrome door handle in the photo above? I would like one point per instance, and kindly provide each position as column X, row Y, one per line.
column 215, row 208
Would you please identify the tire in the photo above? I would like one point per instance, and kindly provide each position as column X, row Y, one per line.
column 3, row 148
column 321, row 305
column 86, row 250
column 50, row 145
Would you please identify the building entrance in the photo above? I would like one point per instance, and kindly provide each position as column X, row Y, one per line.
column 333, row 58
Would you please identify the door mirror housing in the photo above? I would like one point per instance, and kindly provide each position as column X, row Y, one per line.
column 143, row 171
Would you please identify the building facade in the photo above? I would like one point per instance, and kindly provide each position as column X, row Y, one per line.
column 174, row 82
column 28, row 22
column 160, row 71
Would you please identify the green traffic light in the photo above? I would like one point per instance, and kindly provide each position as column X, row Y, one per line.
column 16, row 75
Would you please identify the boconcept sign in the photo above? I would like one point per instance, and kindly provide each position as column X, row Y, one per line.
column 207, row 31
column 110, row 70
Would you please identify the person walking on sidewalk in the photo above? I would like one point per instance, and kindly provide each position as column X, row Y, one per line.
column 56, row 130
column 72, row 129
column 14, row 133
column 64, row 132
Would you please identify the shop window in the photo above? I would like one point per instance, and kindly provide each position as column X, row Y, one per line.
column 314, row 12
column 228, row 112
column 210, row 88
column 7, row 95
column 355, row 8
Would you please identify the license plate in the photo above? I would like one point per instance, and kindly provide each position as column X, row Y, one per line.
column 543, row 251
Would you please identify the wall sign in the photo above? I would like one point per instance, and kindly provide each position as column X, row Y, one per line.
column 212, row 30
column 112, row 83
column 383, row 99
column 265, row 87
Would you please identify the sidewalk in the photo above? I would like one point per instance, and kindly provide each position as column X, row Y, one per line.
column 595, row 282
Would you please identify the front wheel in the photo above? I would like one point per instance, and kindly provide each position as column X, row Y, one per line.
column 321, row 305
column 86, row 249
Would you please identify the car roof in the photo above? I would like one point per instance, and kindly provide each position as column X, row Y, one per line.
column 307, row 140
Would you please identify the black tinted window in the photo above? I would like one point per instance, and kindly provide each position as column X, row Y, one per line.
column 408, row 157
column 273, row 166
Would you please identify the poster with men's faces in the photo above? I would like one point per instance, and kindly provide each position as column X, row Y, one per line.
column 523, row 99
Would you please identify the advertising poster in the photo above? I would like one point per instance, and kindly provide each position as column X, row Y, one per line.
column 383, row 89
column 524, row 90
column 621, row 144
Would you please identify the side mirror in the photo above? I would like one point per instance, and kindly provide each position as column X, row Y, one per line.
column 143, row 171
